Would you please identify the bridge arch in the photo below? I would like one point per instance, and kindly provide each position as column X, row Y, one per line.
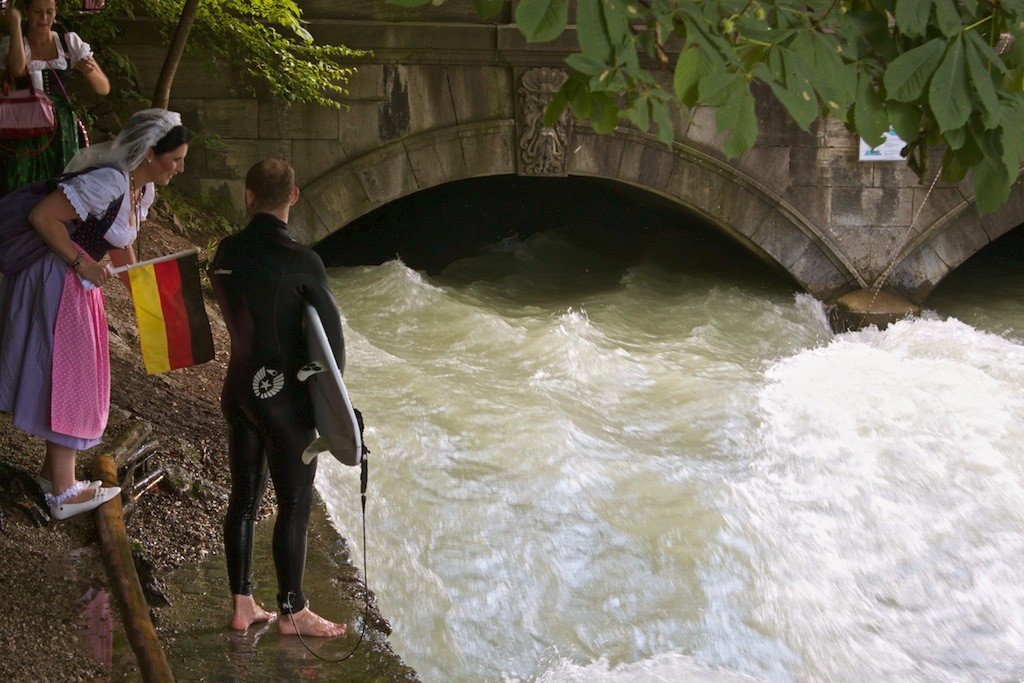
column 948, row 241
column 720, row 194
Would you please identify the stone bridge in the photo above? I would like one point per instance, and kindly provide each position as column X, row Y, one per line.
column 446, row 97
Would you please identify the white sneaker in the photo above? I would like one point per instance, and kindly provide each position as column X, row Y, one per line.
column 46, row 486
column 61, row 510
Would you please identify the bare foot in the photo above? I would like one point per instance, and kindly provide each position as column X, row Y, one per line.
column 247, row 613
column 306, row 623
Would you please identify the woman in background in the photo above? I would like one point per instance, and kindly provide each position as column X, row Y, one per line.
column 40, row 54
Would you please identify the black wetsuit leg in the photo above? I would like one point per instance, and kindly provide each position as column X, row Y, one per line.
column 270, row 434
column 293, row 484
column 249, row 474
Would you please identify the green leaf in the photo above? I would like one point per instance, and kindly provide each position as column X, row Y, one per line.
column 645, row 41
column 753, row 29
column 737, row 117
column 835, row 81
column 488, row 8
column 799, row 79
column 907, row 77
column 869, row 113
column 955, row 137
column 568, row 93
column 639, row 114
column 956, row 163
column 604, row 114
column 949, row 93
column 590, row 31
column 983, row 88
column 663, row 120
column 867, row 36
column 947, row 17
column 696, row 31
column 803, row 110
column 580, row 104
column 904, row 118
column 691, row 66
column 585, row 65
column 991, row 185
column 1013, row 134
column 556, row 107
column 986, row 51
column 717, row 87
column 616, row 21
column 912, row 16
column 542, row 20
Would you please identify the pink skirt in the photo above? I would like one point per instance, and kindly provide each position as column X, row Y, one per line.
column 80, row 389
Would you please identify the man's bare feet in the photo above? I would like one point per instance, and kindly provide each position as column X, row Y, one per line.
column 247, row 613
column 307, row 623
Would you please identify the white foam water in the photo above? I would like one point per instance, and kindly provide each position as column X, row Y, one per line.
column 880, row 517
column 681, row 479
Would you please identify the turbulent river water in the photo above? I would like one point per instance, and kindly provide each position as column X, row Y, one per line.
column 666, row 467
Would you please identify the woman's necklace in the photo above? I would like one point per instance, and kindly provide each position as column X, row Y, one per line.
column 135, row 209
column 134, row 203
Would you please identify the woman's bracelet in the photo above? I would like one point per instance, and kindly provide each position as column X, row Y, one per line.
column 77, row 262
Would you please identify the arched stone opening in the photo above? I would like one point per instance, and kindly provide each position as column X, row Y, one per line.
column 949, row 242
column 442, row 230
column 718, row 193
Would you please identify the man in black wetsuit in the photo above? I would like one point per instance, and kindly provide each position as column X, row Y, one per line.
column 262, row 279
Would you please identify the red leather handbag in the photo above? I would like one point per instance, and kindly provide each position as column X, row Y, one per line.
column 24, row 112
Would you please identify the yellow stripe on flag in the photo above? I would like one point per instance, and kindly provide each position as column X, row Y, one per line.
column 152, row 331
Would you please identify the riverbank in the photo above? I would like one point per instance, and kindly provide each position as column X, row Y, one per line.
column 46, row 572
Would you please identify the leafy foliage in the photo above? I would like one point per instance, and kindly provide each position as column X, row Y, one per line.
column 940, row 72
column 264, row 39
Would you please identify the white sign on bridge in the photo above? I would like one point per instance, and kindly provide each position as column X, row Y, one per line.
column 889, row 150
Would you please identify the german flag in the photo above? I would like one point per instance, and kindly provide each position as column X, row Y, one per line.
column 173, row 328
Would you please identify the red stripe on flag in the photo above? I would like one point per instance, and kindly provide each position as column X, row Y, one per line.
column 179, row 335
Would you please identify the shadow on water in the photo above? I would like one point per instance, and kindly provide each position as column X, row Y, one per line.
column 594, row 231
column 200, row 646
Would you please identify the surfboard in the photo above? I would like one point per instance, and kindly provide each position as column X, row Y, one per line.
column 336, row 424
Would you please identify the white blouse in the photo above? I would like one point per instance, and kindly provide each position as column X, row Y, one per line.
column 78, row 50
column 92, row 193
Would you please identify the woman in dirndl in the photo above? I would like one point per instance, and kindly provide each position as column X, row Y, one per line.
column 54, row 359
column 39, row 54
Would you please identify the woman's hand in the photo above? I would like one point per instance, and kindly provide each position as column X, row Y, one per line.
column 94, row 76
column 16, row 63
column 87, row 66
column 96, row 273
column 119, row 258
column 13, row 18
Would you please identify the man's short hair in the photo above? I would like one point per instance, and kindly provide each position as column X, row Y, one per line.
column 271, row 182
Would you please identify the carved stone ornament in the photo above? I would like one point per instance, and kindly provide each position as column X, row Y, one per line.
column 541, row 148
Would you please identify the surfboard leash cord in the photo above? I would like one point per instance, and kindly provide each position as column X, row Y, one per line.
column 364, row 472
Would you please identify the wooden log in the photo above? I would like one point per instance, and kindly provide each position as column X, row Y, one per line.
column 131, row 459
column 117, row 556
column 127, row 441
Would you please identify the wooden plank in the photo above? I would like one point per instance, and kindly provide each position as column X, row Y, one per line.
column 117, row 556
